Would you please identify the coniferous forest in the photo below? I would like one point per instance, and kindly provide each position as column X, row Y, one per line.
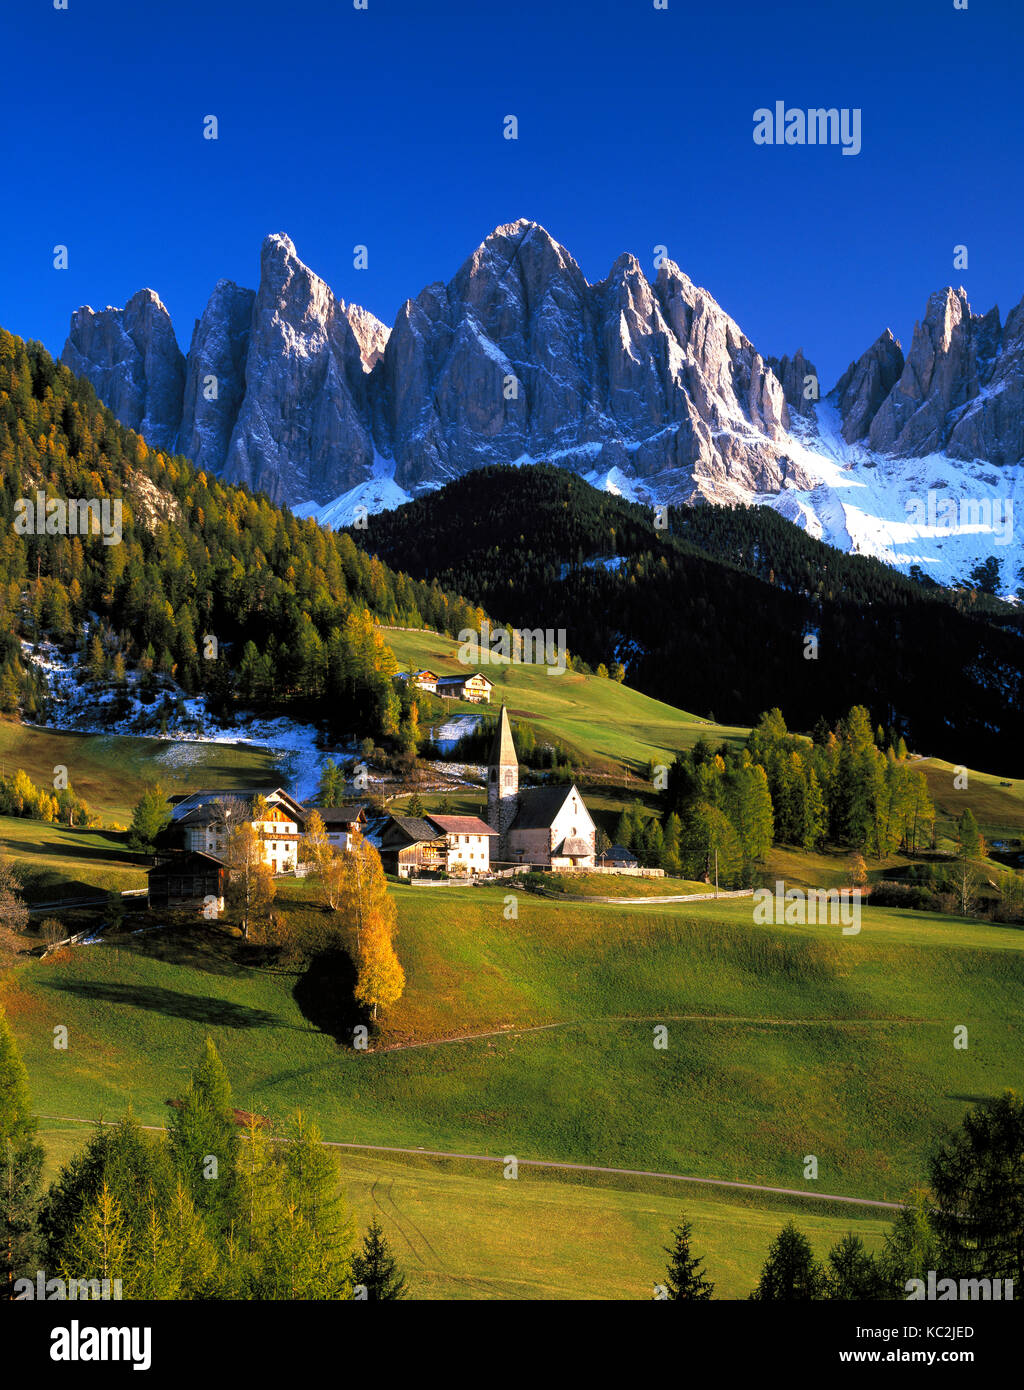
column 725, row 612
column 231, row 596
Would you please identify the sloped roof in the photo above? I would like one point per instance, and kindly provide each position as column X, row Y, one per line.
column 462, row 825
column 461, row 680
column 416, row 830
column 538, row 807
column 573, row 846
column 374, row 828
column 620, row 854
column 342, row 815
column 195, row 800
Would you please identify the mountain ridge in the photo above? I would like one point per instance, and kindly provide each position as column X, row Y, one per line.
column 646, row 384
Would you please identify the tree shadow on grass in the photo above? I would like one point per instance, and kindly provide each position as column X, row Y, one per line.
column 200, row 947
column 325, row 994
column 197, row 1008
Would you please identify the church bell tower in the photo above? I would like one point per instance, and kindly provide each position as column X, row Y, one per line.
column 502, row 784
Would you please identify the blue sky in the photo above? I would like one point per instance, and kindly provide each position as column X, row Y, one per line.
column 384, row 127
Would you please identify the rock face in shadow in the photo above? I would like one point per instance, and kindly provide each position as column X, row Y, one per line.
column 133, row 361
column 866, row 383
column 215, row 376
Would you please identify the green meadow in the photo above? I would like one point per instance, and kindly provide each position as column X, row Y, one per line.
column 529, row 1024
column 461, row 1230
column 610, row 726
column 109, row 771
column 782, row 1042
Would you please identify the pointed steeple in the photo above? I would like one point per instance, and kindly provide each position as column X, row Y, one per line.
column 502, row 785
column 503, row 749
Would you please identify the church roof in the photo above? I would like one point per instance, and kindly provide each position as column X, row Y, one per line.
column 538, row 807
column 503, row 750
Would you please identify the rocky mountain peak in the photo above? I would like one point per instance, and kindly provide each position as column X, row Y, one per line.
column 132, row 359
column 794, row 375
column 951, row 359
column 866, row 383
column 518, row 357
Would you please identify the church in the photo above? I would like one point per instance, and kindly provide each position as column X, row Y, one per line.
column 548, row 827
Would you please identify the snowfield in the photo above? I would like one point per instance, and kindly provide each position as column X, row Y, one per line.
column 872, row 504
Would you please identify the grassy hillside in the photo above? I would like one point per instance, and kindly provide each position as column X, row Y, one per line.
column 462, row 1231
column 997, row 802
column 782, row 1041
column 55, row 862
column 109, row 771
column 611, row 725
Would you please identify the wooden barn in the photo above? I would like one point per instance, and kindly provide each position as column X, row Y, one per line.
column 189, row 877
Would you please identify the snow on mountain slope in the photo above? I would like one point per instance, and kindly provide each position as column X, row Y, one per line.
column 379, row 493
column 939, row 513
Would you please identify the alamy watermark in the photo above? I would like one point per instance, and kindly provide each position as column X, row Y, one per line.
column 820, row 125
column 939, row 513
column 530, row 646
column 55, row 1290
column 970, row 1290
column 72, row 516
column 815, row 907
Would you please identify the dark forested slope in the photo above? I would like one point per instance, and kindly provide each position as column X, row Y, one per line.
column 714, row 611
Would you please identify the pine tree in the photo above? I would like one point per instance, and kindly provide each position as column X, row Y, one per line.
column 376, row 1269
column 790, row 1272
column 136, row 1169
column 203, row 1138
column 99, row 1244
column 150, row 818
column 96, row 662
column 190, row 1256
column 852, row 1273
column 21, row 1171
column 815, row 819
column 685, row 1279
column 21, row 1165
column 971, row 844
column 311, row 1187
column 911, row 1244
column 673, row 833
column 17, row 1124
column 260, row 1210
column 978, row 1181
